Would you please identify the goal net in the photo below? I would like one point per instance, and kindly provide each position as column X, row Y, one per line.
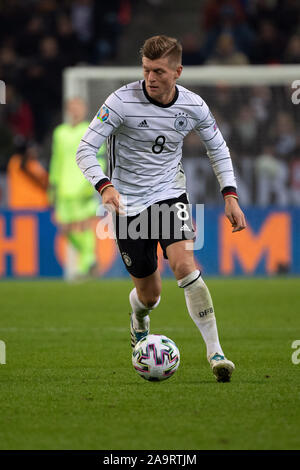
column 257, row 111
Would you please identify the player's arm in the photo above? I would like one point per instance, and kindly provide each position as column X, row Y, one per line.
column 106, row 122
column 54, row 167
column 220, row 159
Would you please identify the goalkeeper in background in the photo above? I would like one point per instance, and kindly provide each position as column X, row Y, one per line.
column 72, row 196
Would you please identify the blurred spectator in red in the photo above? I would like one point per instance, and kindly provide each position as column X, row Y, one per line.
column 125, row 12
column 18, row 112
column 213, row 12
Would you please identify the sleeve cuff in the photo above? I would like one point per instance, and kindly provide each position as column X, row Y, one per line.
column 229, row 191
column 105, row 182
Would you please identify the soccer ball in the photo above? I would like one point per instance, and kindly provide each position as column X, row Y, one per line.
column 155, row 357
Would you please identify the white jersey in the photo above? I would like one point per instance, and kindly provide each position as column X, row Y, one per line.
column 145, row 141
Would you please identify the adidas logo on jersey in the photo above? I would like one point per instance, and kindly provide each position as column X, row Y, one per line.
column 185, row 228
column 144, row 123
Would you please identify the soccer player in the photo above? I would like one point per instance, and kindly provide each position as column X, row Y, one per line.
column 73, row 197
column 145, row 123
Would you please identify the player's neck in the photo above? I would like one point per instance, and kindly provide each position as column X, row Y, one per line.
column 165, row 99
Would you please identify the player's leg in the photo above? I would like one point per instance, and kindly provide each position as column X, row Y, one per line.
column 197, row 296
column 140, row 259
column 199, row 304
column 147, row 289
column 83, row 209
column 144, row 297
column 85, row 243
column 71, row 214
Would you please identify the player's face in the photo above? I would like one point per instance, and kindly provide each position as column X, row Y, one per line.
column 76, row 110
column 160, row 78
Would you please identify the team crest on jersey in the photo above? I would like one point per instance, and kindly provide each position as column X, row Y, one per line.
column 127, row 259
column 181, row 122
column 103, row 114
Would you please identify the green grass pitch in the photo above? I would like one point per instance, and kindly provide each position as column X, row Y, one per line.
column 68, row 382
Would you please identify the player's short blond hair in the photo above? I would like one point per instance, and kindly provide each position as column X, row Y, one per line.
column 158, row 47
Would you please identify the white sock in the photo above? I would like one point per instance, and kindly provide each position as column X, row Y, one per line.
column 140, row 315
column 200, row 308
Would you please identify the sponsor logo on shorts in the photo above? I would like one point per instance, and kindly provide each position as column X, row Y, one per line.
column 127, row 259
column 185, row 228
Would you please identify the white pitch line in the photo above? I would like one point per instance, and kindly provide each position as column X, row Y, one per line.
column 85, row 328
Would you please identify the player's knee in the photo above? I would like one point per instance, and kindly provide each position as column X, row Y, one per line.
column 182, row 268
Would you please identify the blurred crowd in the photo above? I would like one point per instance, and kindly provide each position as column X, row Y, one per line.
column 238, row 32
column 253, row 119
column 261, row 127
column 39, row 38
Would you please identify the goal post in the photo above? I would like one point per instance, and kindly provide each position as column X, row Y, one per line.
column 94, row 84
column 253, row 105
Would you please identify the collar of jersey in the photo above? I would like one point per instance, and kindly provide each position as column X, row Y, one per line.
column 157, row 103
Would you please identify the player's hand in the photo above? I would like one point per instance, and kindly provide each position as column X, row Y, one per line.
column 111, row 200
column 235, row 215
